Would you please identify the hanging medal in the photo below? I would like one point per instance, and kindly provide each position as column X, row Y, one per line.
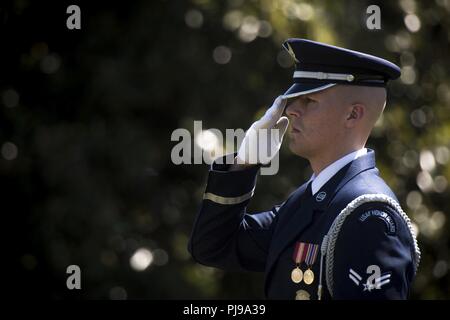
column 302, row 295
column 298, row 257
column 311, row 255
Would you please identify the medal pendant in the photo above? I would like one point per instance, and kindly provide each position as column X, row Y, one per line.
column 297, row 275
column 302, row 295
column 308, row 276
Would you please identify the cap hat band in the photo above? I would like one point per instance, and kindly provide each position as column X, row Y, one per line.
column 324, row 75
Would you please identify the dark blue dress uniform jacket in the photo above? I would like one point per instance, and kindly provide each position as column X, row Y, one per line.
column 227, row 237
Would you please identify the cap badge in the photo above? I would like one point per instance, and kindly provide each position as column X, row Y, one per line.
column 291, row 52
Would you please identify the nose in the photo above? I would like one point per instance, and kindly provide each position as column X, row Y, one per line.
column 292, row 110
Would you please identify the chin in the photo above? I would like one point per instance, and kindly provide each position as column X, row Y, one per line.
column 296, row 149
column 303, row 150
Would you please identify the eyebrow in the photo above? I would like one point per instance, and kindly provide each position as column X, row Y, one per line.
column 311, row 95
column 303, row 96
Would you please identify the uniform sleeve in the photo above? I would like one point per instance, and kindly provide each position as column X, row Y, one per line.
column 224, row 234
column 373, row 257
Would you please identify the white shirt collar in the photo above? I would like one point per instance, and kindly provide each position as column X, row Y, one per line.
column 333, row 168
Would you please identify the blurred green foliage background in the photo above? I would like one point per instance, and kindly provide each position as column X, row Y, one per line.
column 87, row 116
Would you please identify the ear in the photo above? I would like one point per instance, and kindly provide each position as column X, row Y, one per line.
column 354, row 114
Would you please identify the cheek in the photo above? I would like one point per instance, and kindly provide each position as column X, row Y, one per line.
column 322, row 126
column 315, row 122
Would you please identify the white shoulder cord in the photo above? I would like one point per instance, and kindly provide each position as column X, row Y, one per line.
column 329, row 240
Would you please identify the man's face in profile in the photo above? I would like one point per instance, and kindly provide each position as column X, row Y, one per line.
column 315, row 122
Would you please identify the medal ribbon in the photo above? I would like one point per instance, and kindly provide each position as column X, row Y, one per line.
column 300, row 252
column 311, row 254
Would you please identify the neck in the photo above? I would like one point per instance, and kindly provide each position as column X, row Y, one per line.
column 320, row 162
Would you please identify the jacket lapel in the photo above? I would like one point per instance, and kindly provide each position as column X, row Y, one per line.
column 293, row 220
